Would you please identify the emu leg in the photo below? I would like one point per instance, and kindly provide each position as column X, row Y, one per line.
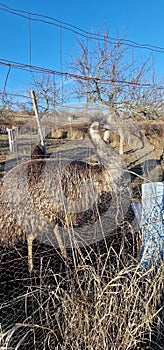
column 59, row 240
column 30, row 238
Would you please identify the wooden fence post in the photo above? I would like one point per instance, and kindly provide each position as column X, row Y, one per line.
column 40, row 132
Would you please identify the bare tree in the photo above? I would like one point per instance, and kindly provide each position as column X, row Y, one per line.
column 47, row 91
column 113, row 77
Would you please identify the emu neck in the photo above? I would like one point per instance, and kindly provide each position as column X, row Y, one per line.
column 108, row 157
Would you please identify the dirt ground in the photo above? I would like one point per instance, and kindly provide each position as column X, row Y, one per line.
column 152, row 130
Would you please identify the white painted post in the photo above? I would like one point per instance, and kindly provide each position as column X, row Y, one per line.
column 152, row 223
column 150, row 215
column 12, row 139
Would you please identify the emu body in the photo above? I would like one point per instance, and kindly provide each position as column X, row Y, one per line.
column 45, row 194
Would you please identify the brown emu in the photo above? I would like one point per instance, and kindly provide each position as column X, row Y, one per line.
column 38, row 153
column 45, row 194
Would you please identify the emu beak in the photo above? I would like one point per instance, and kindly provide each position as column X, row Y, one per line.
column 106, row 127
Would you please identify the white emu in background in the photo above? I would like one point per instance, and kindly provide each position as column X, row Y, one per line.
column 45, row 194
column 126, row 129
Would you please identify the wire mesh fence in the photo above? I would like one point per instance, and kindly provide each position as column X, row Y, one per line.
column 95, row 295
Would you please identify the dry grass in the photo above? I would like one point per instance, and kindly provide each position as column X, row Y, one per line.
column 91, row 306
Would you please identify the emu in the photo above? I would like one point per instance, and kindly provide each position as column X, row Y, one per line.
column 126, row 129
column 45, row 194
column 37, row 153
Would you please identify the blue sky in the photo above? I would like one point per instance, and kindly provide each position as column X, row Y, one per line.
column 142, row 20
